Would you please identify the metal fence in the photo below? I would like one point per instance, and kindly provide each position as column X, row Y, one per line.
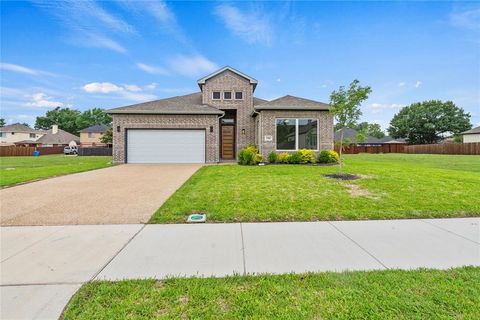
column 95, row 151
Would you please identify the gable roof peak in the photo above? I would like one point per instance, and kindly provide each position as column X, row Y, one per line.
column 202, row 81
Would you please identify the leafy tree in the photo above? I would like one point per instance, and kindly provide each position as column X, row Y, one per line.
column 345, row 107
column 370, row 129
column 72, row 120
column 107, row 137
column 92, row 117
column 2, row 122
column 374, row 130
column 65, row 118
column 426, row 122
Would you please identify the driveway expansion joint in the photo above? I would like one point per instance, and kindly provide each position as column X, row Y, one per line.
column 116, row 254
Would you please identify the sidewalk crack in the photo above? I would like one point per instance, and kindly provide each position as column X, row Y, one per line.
column 365, row 250
column 243, row 251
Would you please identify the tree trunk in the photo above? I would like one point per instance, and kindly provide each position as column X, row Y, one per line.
column 340, row 151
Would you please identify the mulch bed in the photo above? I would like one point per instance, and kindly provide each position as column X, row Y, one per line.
column 344, row 176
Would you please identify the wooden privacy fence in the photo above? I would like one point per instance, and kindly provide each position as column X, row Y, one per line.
column 95, row 151
column 12, row 151
column 447, row 148
column 384, row 148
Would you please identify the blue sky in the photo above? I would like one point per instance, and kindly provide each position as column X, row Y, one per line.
column 112, row 53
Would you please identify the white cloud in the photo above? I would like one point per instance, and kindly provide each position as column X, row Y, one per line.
column 151, row 69
column 418, row 84
column 42, row 100
column 160, row 11
column 88, row 22
column 252, row 27
column 130, row 92
column 279, row 80
column 468, row 19
column 151, row 86
column 85, row 16
column 94, row 40
column 133, row 87
column 101, row 87
column 17, row 68
column 22, row 69
column 380, row 107
column 192, row 66
column 401, row 84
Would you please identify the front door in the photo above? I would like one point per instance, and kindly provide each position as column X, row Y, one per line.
column 227, row 143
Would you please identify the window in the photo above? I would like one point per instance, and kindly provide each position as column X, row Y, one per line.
column 294, row 134
column 227, row 95
column 238, row 95
column 32, row 135
column 216, row 95
column 91, row 135
column 286, row 136
column 3, row 134
column 307, row 134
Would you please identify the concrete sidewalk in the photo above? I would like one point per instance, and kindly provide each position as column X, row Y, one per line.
column 43, row 266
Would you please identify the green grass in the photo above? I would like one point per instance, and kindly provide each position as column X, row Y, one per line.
column 15, row 170
column 394, row 186
column 392, row 294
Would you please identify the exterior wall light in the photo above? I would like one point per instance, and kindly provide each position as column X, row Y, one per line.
column 243, row 131
column 118, row 128
column 211, row 128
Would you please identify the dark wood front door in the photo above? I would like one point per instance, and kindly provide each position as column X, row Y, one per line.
column 227, row 144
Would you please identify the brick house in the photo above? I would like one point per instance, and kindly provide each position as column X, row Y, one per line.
column 214, row 124
column 92, row 136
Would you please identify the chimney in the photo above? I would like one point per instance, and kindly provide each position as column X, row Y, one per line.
column 55, row 129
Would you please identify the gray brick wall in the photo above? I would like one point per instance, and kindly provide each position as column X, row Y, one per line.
column 229, row 81
column 267, row 124
column 126, row 121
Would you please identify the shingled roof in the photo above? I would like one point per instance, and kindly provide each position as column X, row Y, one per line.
column 188, row 104
column 18, row 127
column 61, row 137
column 292, row 103
column 98, row 128
column 472, row 131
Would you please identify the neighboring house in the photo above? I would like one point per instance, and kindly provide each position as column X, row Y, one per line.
column 472, row 135
column 13, row 133
column 54, row 137
column 214, row 124
column 92, row 136
column 351, row 134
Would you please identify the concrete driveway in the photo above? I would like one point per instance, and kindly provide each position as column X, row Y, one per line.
column 118, row 195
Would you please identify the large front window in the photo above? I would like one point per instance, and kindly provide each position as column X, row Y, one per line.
column 294, row 134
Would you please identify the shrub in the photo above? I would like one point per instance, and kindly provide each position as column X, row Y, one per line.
column 328, row 156
column 249, row 156
column 307, row 156
column 272, row 157
column 295, row 158
column 283, row 157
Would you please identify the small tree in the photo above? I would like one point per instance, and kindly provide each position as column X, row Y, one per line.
column 107, row 137
column 345, row 107
column 2, row 122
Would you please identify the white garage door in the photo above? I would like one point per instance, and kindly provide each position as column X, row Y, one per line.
column 166, row 146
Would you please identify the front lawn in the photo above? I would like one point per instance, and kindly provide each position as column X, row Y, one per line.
column 393, row 186
column 391, row 294
column 15, row 170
